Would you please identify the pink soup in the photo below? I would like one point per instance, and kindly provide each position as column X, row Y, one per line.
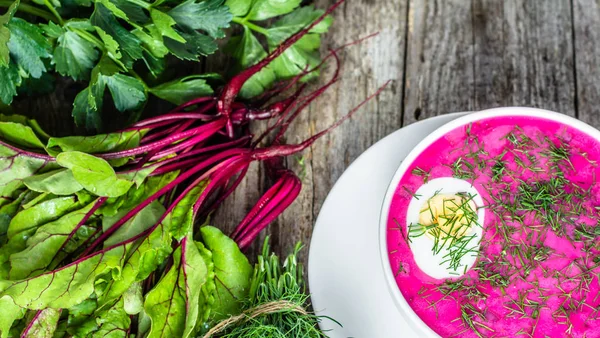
column 538, row 266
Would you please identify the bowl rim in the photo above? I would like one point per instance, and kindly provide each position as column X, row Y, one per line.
column 402, row 305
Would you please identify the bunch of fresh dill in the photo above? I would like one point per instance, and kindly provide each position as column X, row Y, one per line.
column 277, row 305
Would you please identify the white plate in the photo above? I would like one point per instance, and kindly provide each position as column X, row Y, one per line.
column 345, row 271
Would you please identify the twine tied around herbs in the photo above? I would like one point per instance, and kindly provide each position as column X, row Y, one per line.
column 264, row 309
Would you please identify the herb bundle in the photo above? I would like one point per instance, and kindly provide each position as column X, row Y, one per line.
column 101, row 235
column 120, row 49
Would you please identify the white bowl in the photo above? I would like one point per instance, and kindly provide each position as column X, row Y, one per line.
column 411, row 317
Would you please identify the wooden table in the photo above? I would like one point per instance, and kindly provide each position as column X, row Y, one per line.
column 442, row 56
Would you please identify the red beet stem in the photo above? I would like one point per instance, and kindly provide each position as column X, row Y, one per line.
column 286, row 185
column 188, row 158
column 287, row 150
column 206, row 130
column 234, row 86
column 267, row 210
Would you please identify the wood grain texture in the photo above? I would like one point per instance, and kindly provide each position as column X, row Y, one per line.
column 439, row 63
column 472, row 55
column 524, row 54
column 586, row 23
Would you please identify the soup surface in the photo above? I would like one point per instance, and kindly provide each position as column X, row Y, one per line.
column 536, row 266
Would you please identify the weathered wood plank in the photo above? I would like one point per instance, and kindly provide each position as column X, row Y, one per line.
column 365, row 68
column 465, row 55
column 586, row 22
column 439, row 63
column 523, row 54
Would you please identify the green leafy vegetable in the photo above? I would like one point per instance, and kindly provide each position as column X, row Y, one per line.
column 101, row 45
column 94, row 174
column 43, row 324
column 182, row 90
column 247, row 49
column 176, row 292
column 5, row 34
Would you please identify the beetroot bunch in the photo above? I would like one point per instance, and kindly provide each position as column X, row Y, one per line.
column 101, row 235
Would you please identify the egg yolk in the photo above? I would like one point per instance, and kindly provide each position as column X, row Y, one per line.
column 448, row 215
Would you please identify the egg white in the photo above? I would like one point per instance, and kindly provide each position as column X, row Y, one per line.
column 422, row 246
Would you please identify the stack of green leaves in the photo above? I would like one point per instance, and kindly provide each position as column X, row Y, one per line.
column 154, row 277
column 120, row 47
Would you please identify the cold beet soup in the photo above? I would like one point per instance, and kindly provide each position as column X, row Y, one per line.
column 494, row 231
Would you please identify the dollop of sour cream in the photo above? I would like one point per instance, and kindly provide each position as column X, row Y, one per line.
column 444, row 222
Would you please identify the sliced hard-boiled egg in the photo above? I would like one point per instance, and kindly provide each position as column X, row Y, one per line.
column 444, row 222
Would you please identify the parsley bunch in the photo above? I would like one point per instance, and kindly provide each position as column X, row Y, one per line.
column 118, row 49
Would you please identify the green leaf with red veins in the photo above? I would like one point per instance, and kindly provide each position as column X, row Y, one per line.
column 43, row 248
column 137, row 195
column 58, row 182
column 94, row 174
column 41, row 213
column 24, row 120
column 43, row 324
column 64, row 287
column 10, row 312
column 207, row 292
column 101, row 143
column 113, row 323
column 177, row 293
column 182, row 218
column 16, row 165
column 7, row 212
column 19, row 134
column 133, row 299
column 139, row 223
column 232, row 273
column 142, row 259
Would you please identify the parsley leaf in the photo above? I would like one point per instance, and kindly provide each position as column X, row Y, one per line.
column 28, row 46
column 182, row 90
column 248, row 50
column 164, row 23
column 303, row 53
column 197, row 44
column 5, row 33
column 239, row 8
column 128, row 94
column 74, row 56
column 266, row 9
column 152, row 40
column 130, row 45
column 209, row 16
column 9, row 81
